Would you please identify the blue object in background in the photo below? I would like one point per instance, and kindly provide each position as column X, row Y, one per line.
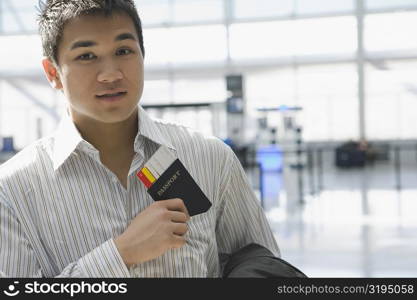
column 229, row 142
column 270, row 158
column 271, row 187
column 271, row 163
column 8, row 144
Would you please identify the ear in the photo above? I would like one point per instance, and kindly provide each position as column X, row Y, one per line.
column 51, row 73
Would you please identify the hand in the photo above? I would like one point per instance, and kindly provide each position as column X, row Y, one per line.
column 157, row 229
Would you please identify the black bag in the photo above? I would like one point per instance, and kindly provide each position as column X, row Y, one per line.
column 350, row 155
column 256, row 261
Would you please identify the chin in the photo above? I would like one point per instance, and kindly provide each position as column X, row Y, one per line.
column 116, row 117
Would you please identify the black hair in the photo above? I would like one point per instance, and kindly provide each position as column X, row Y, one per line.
column 54, row 14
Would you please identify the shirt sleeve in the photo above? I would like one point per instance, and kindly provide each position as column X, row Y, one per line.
column 18, row 259
column 241, row 220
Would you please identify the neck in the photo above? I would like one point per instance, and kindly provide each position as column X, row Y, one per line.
column 110, row 138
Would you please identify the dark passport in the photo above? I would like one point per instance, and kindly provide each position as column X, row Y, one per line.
column 176, row 182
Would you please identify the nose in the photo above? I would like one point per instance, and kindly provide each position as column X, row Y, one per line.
column 109, row 72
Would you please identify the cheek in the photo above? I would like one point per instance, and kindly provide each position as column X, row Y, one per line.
column 135, row 75
column 77, row 81
column 134, row 69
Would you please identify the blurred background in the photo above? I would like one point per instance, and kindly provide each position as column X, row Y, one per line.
column 318, row 99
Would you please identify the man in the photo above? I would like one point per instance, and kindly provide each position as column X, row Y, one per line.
column 71, row 205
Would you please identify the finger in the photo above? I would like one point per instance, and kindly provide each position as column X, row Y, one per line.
column 178, row 217
column 176, row 204
column 179, row 228
column 177, row 241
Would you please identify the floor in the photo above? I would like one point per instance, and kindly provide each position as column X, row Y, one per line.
column 354, row 223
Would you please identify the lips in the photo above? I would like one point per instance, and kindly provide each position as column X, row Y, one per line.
column 111, row 92
column 111, row 95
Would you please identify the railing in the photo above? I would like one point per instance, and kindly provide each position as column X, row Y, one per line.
column 309, row 165
column 315, row 161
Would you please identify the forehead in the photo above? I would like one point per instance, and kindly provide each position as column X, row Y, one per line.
column 96, row 28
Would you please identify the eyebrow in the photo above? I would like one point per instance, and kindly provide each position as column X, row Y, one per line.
column 120, row 37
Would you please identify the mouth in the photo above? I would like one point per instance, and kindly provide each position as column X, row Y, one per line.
column 111, row 96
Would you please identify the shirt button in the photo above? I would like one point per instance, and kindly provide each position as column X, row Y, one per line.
column 115, row 180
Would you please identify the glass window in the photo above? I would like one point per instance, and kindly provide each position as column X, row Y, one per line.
column 326, row 36
column 407, row 117
column 20, row 5
column 19, row 16
column 310, row 7
column 392, row 31
column 197, row 118
column 15, row 49
column 287, row 38
column 199, row 90
column 244, row 9
column 329, row 118
column 262, row 40
column 156, row 42
column 186, row 44
column 391, row 93
column 382, row 116
column 153, row 12
column 327, row 79
column 158, row 12
column 198, row 10
column 327, row 95
column 269, row 88
column 184, row 91
column 385, row 4
column 156, row 92
column 197, row 43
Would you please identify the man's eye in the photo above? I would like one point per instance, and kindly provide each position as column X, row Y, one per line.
column 123, row 52
column 87, row 56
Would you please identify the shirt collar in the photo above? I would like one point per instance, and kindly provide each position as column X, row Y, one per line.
column 150, row 130
column 68, row 138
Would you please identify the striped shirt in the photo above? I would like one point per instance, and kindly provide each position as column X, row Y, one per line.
column 61, row 208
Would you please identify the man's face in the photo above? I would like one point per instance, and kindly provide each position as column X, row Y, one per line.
column 100, row 68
